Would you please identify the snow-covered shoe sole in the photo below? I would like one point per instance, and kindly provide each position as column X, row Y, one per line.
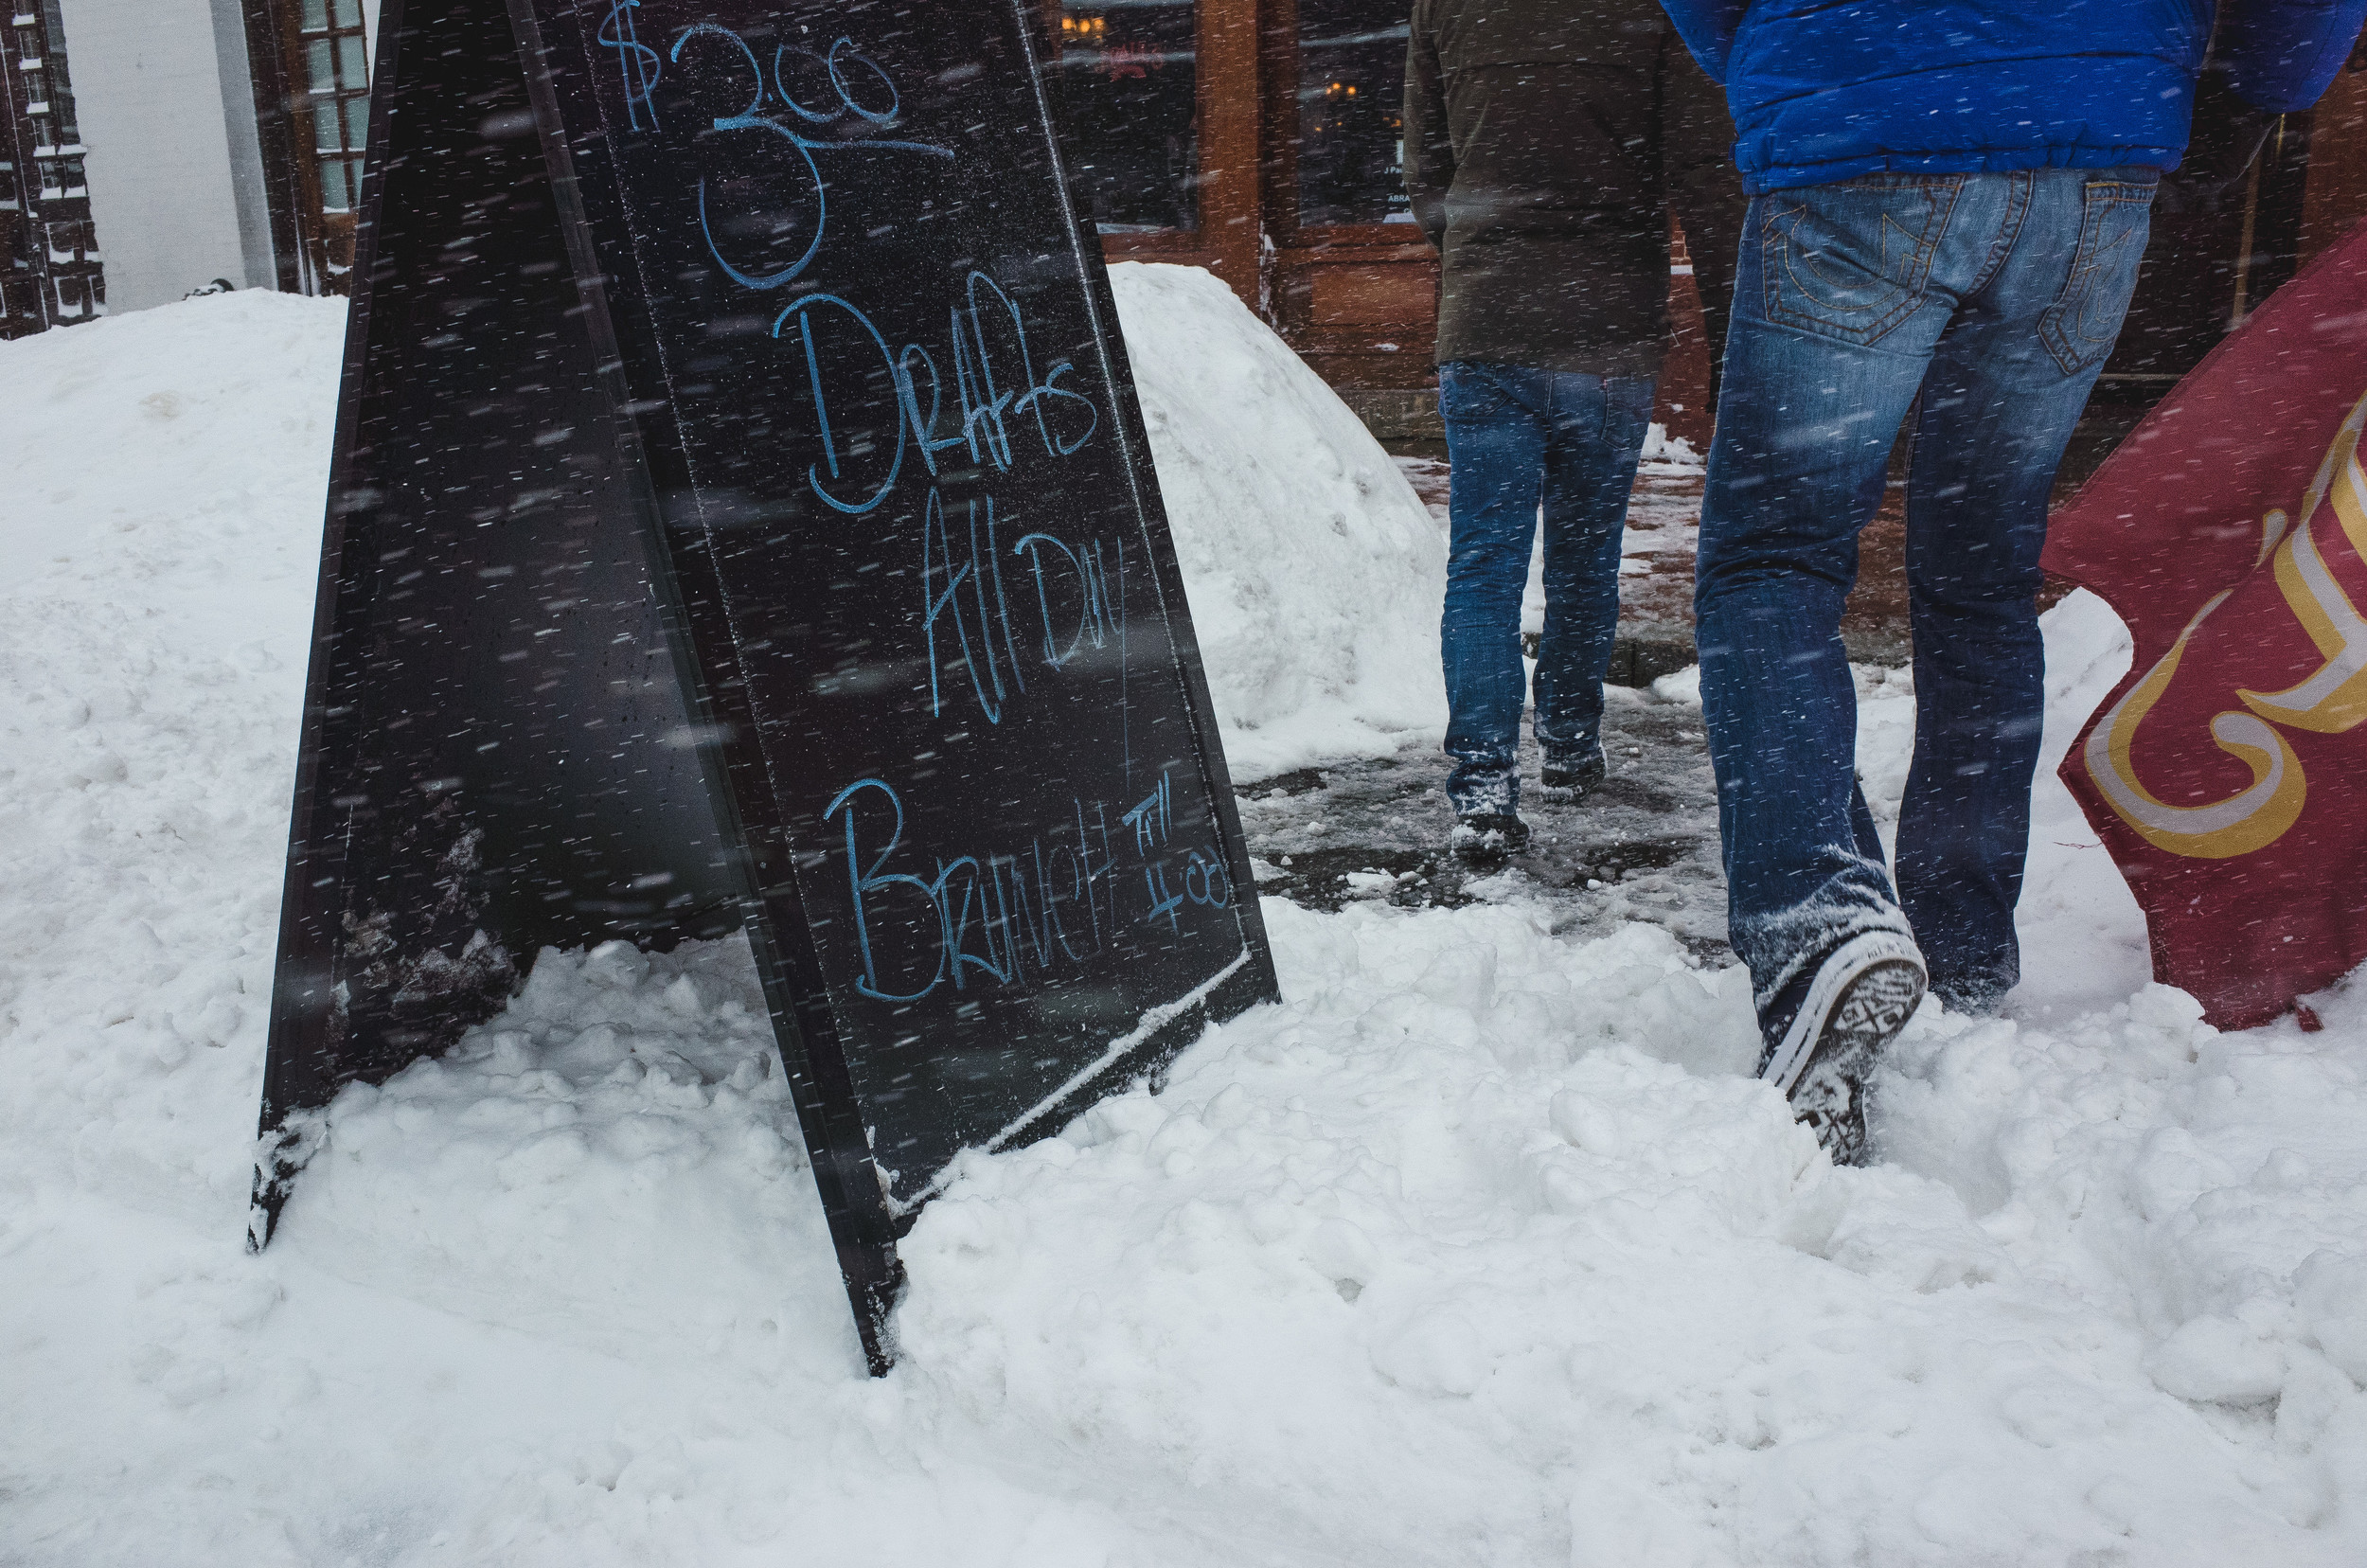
column 1863, row 994
column 1829, row 1100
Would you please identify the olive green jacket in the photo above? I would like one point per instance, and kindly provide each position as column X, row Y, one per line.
column 1545, row 143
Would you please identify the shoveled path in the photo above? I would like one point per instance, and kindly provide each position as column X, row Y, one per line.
column 1644, row 847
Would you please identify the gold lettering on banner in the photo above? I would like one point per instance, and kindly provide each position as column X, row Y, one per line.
column 2334, row 699
column 2330, row 701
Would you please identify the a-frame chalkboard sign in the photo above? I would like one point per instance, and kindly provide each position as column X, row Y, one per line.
column 741, row 517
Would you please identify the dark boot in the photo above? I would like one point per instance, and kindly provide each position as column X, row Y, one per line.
column 1570, row 775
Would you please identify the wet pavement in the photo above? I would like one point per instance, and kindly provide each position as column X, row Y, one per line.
column 1643, row 847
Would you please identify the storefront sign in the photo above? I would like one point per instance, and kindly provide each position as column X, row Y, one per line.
column 741, row 516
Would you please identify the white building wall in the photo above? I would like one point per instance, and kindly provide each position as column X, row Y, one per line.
column 150, row 98
column 245, row 145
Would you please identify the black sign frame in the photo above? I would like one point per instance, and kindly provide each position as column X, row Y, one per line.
column 543, row 507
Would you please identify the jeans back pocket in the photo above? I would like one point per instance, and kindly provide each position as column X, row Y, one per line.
column 2115, row 219
column 1850, row 260
column 1475, row 390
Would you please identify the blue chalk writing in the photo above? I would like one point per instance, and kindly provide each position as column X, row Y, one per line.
column 1029, row 397
column 976, row 912
column 1161, row 902
column 991, row 398
column 637, row 65
column 986, row 406
column 867, row 880
column 1101, row 606
column 1002, row 918
column 940, row 586
column 754, row 119
column 1153, row 816
column 801, row 311
column 1206, row 881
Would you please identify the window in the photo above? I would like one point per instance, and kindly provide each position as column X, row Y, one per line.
column 49, row 98
column 1128, row 84
column 1351, row 91
column 338, row 80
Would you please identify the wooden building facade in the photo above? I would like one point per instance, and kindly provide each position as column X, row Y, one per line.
column 310, row 60
column 1259, row 138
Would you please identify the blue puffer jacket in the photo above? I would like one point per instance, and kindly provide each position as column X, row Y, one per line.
column 1827, row 90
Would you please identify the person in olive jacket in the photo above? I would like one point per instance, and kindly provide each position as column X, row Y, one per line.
column 1545, row 142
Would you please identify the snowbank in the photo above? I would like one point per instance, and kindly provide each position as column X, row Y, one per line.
column 165, row 476
column 1476, row 1250
column 1315, row 572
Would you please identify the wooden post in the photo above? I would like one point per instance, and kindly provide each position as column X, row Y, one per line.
column 1228, row 93
column 2335, row 196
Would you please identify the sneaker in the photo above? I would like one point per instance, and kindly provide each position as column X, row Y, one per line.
column 1571, row 776
column 1823, row 1031
column 1487, row 837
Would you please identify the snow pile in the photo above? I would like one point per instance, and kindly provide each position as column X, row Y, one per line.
column 1478, row 1249
column 1315, row 572
column 165, row 474
column 1478, row 1243
column 1664, row 453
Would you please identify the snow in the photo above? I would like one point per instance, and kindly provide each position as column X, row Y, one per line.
column 1272, row 486
column 1476, row 1249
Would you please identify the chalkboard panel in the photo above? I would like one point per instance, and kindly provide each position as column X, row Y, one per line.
column 741, row 513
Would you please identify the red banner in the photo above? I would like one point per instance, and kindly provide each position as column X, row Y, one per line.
column 2227, row 774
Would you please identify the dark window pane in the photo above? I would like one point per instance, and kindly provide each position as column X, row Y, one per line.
column 353, row 68
column 1128, row 83
column 1351, row 87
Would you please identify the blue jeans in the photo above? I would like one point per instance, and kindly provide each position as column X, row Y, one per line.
column 1995, row 298
column 1518, row 437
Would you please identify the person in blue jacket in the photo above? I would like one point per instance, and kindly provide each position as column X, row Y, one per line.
column 1949, row 198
